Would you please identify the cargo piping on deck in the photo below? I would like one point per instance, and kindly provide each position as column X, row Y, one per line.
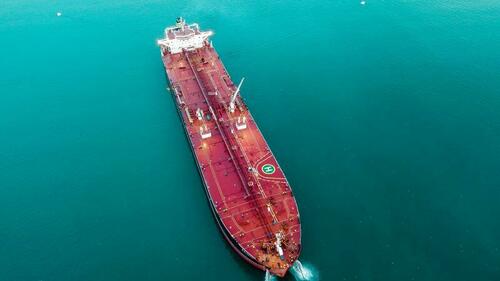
column 247, row 190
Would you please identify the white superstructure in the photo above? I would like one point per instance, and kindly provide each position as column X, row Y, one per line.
column 183, row 36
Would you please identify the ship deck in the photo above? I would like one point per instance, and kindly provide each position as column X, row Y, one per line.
column 246, row 186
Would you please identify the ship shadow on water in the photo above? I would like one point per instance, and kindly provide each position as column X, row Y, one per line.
column 298, row 272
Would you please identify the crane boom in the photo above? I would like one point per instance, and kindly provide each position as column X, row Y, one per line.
column 235, row 94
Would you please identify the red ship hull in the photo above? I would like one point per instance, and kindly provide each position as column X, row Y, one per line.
column 248, row 193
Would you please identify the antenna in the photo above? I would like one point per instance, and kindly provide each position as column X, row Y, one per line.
column 235, row 94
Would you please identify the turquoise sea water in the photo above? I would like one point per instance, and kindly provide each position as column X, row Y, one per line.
column 384, row 116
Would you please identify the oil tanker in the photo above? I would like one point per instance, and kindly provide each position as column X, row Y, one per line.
column 250, row 198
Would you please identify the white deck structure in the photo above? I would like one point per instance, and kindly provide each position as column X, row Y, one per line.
column 183, row 36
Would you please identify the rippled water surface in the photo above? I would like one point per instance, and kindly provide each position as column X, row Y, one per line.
column 384, row 116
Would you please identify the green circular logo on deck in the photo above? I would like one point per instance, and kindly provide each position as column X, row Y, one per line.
column 268, row 169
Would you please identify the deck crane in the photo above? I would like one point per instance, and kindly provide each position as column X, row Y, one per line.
column 233, row 97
